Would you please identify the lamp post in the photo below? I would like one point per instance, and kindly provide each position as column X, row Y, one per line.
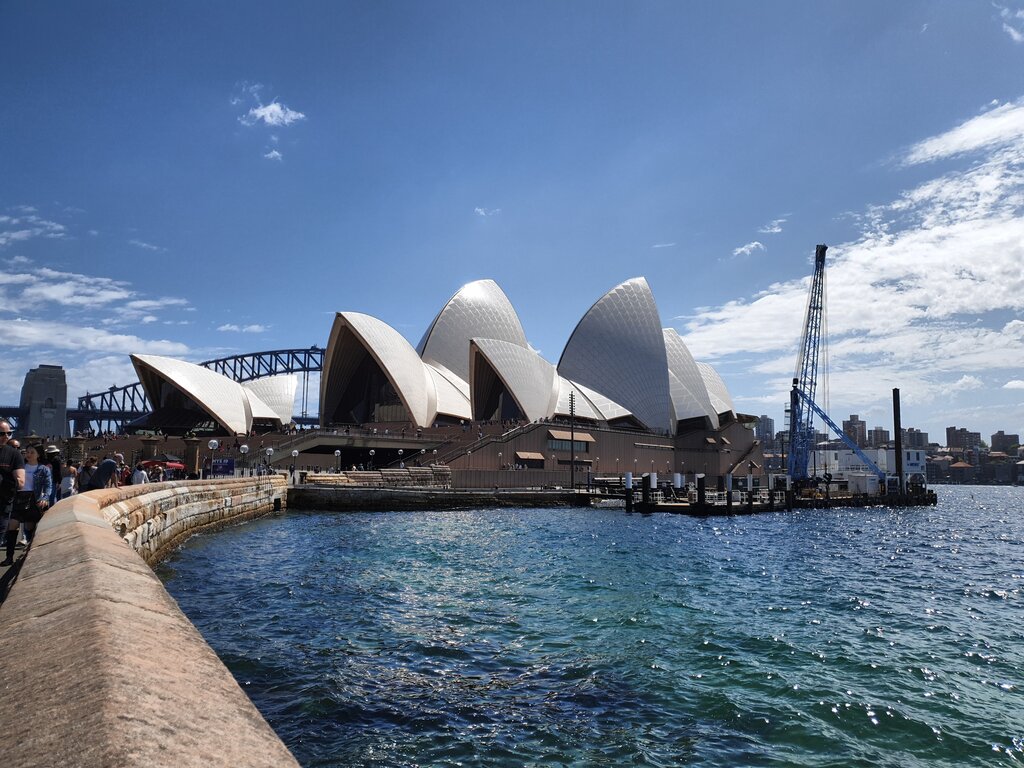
column 295, row 457
column 337, row 460
column 244, row 450
column 401, row 463
column 212, row 445
column 499, row 459
column 372, row 454
column 269, row 452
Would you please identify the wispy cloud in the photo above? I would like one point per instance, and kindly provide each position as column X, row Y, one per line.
column 1000, row 126
column 146, row 246
column 749, row 248
column 18, row 229
column 274, row 155
column 919, row 299
column 773, row 227
column 664, row 245
column 1014, row 384
column 487, row 211
column 254, row 328
column 1013, row 22
column 274, row 114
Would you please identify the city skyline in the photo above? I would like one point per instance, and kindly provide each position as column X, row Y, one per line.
column 197, row 182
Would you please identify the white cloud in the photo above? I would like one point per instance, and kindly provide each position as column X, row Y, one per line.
column 1014, row 384
column 274, row 155
column 1013, row 23
column 274, row 114
column 664, row 245
column 146, row 246
column 773, row 227
column 146, row 319
column 967, row 382
column 51, row 335
column 919, row 300
column 746, row 250
column 254, row 328
column 16, row 261
column 487, row 211
column 18, row 229
column 1000, row 126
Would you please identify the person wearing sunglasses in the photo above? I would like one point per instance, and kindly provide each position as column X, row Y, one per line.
column 12, row 478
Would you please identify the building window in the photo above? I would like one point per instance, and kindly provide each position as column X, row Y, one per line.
column 564, row 445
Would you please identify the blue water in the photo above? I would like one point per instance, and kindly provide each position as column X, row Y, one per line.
column 862, row 637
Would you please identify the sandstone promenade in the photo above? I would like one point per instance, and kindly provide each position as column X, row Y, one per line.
column 101, row 667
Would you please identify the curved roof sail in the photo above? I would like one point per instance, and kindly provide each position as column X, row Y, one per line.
column 478, row 310
column 618, row 350
column 690, row 397
column 222, row 398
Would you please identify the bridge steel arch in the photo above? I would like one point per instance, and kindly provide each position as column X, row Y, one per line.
column 117, row 406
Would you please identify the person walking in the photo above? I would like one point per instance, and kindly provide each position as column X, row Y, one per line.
column 29, row 503
column 106, row 474
column 12, row 479
column 139, row 476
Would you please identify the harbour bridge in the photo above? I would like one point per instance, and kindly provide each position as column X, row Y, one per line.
column 112, row 409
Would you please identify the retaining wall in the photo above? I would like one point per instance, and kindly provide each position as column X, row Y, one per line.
column 100, row 667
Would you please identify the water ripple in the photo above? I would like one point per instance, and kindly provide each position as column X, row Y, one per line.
column 592, row 638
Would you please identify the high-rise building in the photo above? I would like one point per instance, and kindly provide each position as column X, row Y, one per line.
column 878, row 437
column 765, row 430
column 915, row 438
column 1003, row 442
column 44, row 401
column 856, row 430
column 961, row 439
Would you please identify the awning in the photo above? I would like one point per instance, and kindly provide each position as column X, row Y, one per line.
column 560, row 434
column 529, row 455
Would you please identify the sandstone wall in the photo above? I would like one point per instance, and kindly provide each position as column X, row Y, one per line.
column 100, row 667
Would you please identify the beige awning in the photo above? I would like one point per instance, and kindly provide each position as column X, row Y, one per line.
column 524, row 455
column 561, row 434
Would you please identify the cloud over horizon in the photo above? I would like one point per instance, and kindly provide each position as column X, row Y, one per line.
column 915, row 301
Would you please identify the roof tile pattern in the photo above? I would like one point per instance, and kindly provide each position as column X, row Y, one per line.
column 480, row 309
column 690, row 397
column 618, row 349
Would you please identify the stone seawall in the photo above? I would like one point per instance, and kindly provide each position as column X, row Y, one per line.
column 100, row 667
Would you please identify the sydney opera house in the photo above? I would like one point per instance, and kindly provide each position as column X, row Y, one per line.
column 630, row 387
column 475, row 395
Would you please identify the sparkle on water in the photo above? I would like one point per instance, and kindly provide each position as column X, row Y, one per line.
column 577, row 637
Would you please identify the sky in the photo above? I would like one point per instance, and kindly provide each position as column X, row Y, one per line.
column 202, row 179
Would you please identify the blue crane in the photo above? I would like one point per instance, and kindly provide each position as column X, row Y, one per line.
column 802, row 406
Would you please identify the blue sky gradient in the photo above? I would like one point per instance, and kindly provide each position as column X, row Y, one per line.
column 200, row 179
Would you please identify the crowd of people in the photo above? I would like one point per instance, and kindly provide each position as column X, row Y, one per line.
column 34, row 478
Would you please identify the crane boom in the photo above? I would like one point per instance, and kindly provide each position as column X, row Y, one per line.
column 802, row 406
column 801, row 419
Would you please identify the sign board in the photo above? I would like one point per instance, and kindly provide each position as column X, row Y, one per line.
column 223, row 468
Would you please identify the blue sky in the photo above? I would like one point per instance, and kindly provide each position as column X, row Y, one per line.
column 201, row 179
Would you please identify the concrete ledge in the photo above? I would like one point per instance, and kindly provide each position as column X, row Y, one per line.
column 101, row 667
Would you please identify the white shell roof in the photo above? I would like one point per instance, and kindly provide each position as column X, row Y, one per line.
column 479, row 310
column 584, row 408
column 223, row 398
column 607, row 407
column 690, row 397
column 527, row 376
column 618, row 349
column 450, row 398
column 721, row 401
column 276, row 394
column 395, row 356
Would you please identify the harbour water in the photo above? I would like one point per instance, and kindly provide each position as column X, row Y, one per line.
column 861, row 637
